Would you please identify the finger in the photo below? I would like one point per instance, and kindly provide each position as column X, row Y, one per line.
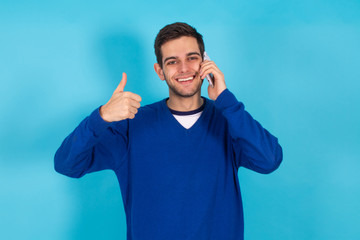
column 133, row 110
column 129, row 102
column 121, row 86
column 207, row 65
column 133, row 96
column 206, row 70
column 207, row 62
column 214, row 72
column 132, row 103
column 204, row 67
column 131, row 116
column 129, row 113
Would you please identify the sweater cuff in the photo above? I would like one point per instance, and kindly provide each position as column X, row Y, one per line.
column 225, row 100
column 96, row 123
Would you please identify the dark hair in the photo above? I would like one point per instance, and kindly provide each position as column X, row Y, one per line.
column 174, row 31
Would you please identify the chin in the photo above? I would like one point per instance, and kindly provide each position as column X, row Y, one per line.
column 186, row 94
column 180, row 91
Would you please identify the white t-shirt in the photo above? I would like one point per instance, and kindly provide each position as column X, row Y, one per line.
column 188, row 119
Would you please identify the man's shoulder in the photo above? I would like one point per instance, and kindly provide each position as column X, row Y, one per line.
column 151, row 107
column 208, row 101
column 151, row 110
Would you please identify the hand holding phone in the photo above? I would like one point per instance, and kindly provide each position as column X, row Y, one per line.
column 211, row 72
column 209, row 77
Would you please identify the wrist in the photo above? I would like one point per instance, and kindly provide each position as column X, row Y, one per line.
column 103, row 114
column 219, row 91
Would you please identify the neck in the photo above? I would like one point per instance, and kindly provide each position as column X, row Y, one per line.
column 184, row 104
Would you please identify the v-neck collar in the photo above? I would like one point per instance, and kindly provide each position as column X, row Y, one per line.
column 192, row 112
column 176, row 123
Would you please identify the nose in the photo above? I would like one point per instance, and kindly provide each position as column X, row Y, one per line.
column 183, row 67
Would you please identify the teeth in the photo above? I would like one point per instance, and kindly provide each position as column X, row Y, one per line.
column 185, row 79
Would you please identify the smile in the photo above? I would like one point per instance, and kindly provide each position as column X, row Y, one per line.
column 185, row 79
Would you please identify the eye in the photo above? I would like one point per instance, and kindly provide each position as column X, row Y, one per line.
column 171, row 62
column 193, row 58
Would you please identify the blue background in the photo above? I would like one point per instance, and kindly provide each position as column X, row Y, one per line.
column 295, row 65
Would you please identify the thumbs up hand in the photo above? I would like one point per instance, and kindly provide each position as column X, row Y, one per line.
column 122, row 105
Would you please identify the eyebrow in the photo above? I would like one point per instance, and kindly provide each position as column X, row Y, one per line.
column 188, row 54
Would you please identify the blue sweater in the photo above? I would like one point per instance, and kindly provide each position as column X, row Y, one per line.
column 176, row 183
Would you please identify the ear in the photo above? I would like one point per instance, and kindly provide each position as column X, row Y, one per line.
column 159, row 71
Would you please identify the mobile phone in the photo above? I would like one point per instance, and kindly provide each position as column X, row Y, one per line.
column 209, row 77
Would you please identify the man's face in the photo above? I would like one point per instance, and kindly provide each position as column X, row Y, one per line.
column 181, row 65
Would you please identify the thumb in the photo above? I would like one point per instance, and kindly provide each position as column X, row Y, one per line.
column 121, row 86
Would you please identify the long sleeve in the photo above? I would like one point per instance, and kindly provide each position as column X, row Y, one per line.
column 93, row 146
column 254, row 147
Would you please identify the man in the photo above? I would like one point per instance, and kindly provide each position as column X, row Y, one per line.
column 176, row 160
